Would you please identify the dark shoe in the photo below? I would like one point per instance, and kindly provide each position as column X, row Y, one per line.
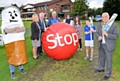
column 36, row 57
column 106, row 77
column 22, row 71
column 40, row 54
column 41, row 51
column 99, row 70
column 13, row 75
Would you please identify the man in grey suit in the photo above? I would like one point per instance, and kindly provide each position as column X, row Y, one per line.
column 106, row 48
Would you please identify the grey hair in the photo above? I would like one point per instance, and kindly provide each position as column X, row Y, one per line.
column 40, row 14
column 105, row 13
column 54, row 12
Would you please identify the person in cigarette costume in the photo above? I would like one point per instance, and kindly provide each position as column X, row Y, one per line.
column 13, row 36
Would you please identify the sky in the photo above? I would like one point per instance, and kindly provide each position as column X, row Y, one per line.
column 4, row 3
column 95, row 3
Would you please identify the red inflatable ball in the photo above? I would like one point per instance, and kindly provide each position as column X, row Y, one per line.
column 60, row 41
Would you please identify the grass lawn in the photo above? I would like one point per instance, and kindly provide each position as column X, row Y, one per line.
column 4, row 67
column 27, row 24
column 116, row 56
column 73, row 69
column 0, row 26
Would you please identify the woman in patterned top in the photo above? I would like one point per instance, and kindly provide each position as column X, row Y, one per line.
column 78, row 28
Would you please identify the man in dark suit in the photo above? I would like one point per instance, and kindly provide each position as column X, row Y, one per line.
column 42, row 22
column 43, row 27
column 107, row 47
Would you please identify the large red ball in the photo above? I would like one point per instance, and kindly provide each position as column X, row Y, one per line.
column 60, row 41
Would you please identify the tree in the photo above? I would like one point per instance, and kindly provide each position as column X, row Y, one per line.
column 99, row 11
column 91, row 12
column 80, row 7
column 94, row 11
column 22, row 6
column 14, row 5
column 1, row 8
column 112, row 6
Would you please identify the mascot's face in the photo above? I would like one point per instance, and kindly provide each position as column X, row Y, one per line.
column 11, row 15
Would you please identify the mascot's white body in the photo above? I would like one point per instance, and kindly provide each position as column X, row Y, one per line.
column 14, row 41
column 7, row 23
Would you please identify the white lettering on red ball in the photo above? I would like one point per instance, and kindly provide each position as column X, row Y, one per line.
column 58, row 38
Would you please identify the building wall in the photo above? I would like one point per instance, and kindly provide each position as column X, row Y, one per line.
column 57, row 7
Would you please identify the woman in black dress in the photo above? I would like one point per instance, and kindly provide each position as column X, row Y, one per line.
column 35, row 35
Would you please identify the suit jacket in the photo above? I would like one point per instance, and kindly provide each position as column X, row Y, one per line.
column 41, row 26
column 113, row 34
column 35, row 31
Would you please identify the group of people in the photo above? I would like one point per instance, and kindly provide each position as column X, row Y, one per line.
column 88, row 30
column 105, row 49
column 38, row 26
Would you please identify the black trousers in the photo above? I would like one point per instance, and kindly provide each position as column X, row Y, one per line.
column 39, row 50
column 80, row 43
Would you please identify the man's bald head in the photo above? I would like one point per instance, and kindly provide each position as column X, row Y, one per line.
column 54, row 14
column 105, row 17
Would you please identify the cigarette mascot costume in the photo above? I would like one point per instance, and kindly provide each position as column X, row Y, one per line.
column 13, row 36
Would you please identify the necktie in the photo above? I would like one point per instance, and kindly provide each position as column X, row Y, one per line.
column 42, row 23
